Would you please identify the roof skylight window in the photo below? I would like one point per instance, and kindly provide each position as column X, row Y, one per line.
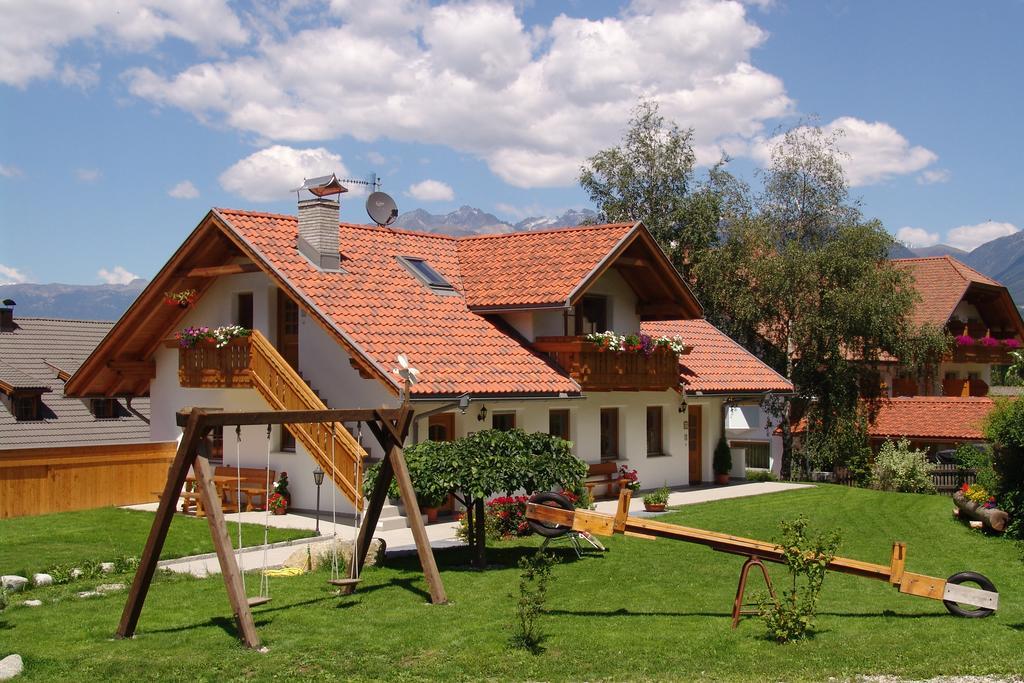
column 426, row 274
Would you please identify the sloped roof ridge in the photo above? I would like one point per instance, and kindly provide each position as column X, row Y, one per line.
column 63, row 320
column 564, row 228
column 342, row 224
column 957, row 265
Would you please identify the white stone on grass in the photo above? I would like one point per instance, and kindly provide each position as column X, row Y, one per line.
column 77, row 573
column 33, row 603
column 42, row 580
column 107, row 567
column 110, row 587
column 88, row 594
column 11, row 666
column 13, row 583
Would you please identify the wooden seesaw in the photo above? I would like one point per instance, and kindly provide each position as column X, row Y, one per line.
column 552, row 515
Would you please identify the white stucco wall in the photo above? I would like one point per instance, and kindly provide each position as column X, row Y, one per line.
column 622, row 315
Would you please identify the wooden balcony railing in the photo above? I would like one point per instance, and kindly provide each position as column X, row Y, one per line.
column 206, row 366
column 904, row 386
column 964, row 387
column 596, row 369
column 254, row 362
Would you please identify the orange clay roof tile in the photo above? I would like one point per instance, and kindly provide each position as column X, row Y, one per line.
column 717, row 364
column 942, row 282
column 927, row 417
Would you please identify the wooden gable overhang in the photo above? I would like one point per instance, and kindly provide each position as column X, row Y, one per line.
column 123, row 365
column 661, row 291
column 996, row 307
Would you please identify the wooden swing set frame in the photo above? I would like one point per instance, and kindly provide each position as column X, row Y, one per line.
column 389, row 426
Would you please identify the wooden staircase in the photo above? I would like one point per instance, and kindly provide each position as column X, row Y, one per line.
column 284, row 389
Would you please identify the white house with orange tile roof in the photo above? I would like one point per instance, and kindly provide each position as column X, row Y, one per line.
column 494, row 324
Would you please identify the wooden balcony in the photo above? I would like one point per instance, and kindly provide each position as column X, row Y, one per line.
column 205, row 366
column 596, row 369
column 978, row 353
column 904, row 386
column 964, row 387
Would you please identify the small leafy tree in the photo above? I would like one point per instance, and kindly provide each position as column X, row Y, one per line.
column 535, row 575
column 721, row 462
column 792, row 616
column 898, row 467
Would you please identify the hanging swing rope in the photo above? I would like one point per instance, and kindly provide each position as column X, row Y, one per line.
column 334, row 513
column 238, row 496
column 353, row 577
column 356, row 476
column 264, row 579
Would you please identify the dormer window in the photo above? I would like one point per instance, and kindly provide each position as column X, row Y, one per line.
column 26, row 407
column 426, row 274
column 104, row 408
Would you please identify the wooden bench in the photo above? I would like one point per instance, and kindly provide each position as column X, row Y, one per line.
column 604, row 474
column 253, row 482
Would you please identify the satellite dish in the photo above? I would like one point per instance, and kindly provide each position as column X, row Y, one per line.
column 382, row 208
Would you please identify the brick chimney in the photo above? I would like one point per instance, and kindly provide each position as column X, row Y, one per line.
column 7, row 316
column 318, row 222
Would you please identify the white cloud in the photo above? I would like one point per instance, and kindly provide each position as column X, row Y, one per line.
column 82, row 77
column 118, row 275
column 271, row 173
column 431, row 191
column 376, row 158
column 967, row 237
column 917, row 237
column 34, row 33
column 183, row 190
column 872, row 151
column 88, row 175
column 11, row 276
column 9, row 171
column 935, row 175
column 532, row 102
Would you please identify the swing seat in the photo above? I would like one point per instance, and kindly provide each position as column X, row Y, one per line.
column 257, row 601
column 343, row 582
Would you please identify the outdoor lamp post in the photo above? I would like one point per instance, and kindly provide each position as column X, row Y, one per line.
column 318, row 479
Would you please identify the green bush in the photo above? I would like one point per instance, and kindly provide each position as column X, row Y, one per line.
column 971, row 457
column 534, row 577
column 791, row 617
column 898, row 467
column 1005, row 429
column 722, row 461
column 759, row 475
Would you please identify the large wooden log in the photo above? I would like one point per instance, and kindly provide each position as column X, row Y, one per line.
column 993, row 518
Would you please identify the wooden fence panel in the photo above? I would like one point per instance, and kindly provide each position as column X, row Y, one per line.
column 36, row 481
column 947, row 477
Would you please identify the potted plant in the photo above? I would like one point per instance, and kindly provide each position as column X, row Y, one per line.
column 656, row 500
column 277, row 503
column 182, row 299
column 722, row 462
column 629, row 478
column 281, row 488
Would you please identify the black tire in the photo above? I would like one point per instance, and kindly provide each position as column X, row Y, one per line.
column 555, row 500
column 983, row 583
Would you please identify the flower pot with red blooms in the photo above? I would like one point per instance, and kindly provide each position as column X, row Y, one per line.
column 629, row 478
column 431, row 514
column 182, row 299
column 278, row 504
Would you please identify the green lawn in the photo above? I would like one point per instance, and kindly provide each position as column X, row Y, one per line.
column 646, row 610
column 31, row 544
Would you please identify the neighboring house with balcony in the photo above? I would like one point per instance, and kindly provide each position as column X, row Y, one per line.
column 494, row 323
column 59, row 453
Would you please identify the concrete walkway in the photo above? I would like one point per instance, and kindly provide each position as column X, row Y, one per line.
column 442, row 535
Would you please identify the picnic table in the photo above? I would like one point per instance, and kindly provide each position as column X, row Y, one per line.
column 226, row 488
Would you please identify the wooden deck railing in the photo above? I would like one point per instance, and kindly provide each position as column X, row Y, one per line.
column 206, row 366
column 596, row 369
column 964, row 387
column 284, row 389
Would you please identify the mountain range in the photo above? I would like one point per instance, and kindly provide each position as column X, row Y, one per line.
column 1001, row 259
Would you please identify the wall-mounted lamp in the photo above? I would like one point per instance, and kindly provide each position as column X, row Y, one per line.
column 682, row 405
column 482, row 415
column 464, row 403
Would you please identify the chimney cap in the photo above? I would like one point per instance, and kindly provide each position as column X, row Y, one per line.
column 9, row 302
column 322, row 186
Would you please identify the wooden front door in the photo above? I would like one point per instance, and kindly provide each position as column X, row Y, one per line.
column 441, row 427
column 288, row 346
column 288, row 329
column 694, row 414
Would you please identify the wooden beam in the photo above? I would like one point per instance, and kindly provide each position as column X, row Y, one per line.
column 631, row 262
column 136, row 368
column 217, row 271
column 225, row 553
column 277, row 417
column 161, row 523
column 378, row 497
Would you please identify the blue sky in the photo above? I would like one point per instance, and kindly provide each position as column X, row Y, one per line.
column 124, row 124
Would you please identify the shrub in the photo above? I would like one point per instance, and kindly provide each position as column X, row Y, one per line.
column 792, row 616
column 1005, row 429
column 971, row 457
column 722, row 461
column 3, row 598
column 505, row 517
column 534, row 577
column 898, row 467
column 759, row 475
